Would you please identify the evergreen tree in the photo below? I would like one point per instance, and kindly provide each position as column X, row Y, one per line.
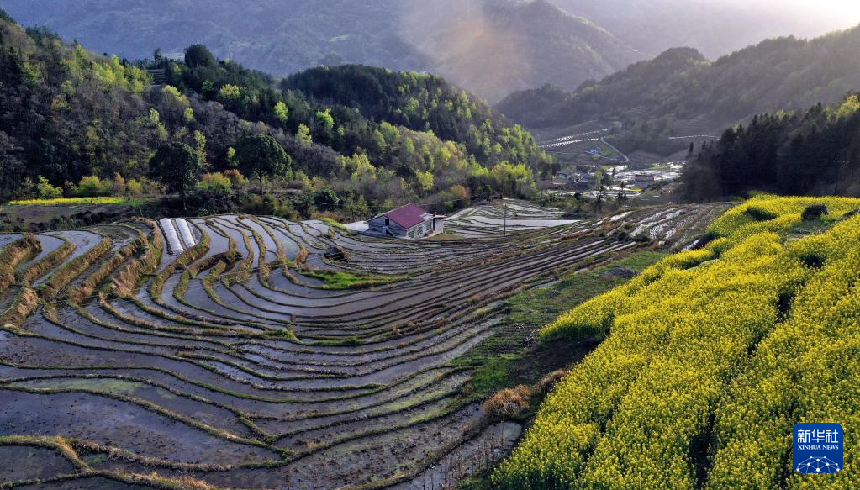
column 198, row 55
column 261, row 156
column 177, row 166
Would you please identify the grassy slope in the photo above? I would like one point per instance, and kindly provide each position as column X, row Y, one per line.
column 510, row 358
column 338, row 280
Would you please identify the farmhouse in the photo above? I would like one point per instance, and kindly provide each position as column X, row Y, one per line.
column 408, row 221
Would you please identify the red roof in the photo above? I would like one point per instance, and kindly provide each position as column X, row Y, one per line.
column 407, row 216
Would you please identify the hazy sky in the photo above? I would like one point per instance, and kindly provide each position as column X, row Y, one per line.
column 847, row 5
column 847, row 11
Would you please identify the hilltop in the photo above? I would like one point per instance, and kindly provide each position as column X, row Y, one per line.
column 489, row 47
column 497, row 47
column 680, row 92
column 715, row 28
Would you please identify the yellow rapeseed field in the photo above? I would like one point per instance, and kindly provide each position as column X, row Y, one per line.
column 70, row 201
column 710, row 359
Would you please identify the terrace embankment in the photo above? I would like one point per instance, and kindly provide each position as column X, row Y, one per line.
column 252, row 359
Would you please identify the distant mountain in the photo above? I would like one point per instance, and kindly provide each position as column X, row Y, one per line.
column 642, row 90
column 493, row 46
column 713, row 27
column 680, row 91
column 490, row 47
column 277, row 36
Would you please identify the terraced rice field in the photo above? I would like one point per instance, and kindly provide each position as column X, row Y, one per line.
column 509, row 215
column 263, row 353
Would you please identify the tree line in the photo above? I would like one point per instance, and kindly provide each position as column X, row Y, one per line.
column 811, row 152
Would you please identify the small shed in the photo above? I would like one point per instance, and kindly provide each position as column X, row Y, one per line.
column 410, row 221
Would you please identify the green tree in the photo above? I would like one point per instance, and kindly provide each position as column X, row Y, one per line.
column 326, row 199
column 325, row 125
column 282, row 112
column 600, row 199
column 230, row 92
column 325, row 120
column 200, row 146
column 425, row 180
column 48, row 191
column 199, row 55
column 217, row 183
column 850, row 106
column 356, row 207
column 304, row 135
column 178, row 167
column 93, row 186
column 261, row 156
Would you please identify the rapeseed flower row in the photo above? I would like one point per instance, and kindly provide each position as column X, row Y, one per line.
column 676, row 364
column 808, row 370
column 776, row 214
column 66, row 201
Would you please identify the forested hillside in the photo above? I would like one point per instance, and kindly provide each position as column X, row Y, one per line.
column 680, row 88
column 421, row 103
column 812, row 152
column 92, row 124
column 489, row 47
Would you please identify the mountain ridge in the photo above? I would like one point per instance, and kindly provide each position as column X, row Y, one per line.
column 681, row 88
column 489, row 48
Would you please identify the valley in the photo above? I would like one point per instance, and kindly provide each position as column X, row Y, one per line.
column 457, row 245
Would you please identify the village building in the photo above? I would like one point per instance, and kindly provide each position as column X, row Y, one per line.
column 583, row 181
column 564, row 175
column 644, row 179
column 410, row 222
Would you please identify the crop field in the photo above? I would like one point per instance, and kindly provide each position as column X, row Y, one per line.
column 711, row 357
column 66, row 201
column 253, row 352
